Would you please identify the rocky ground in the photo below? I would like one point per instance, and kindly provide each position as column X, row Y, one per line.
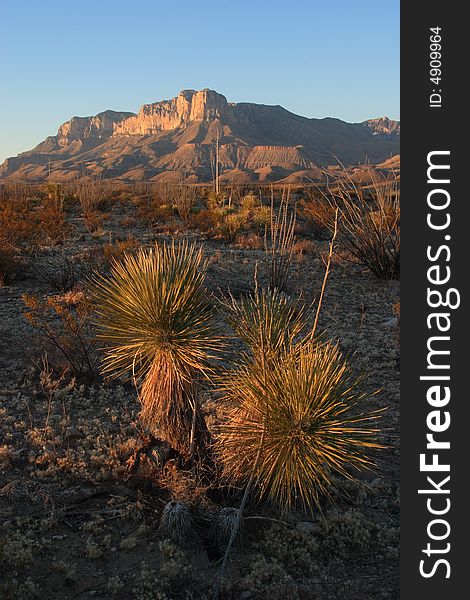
column 75, row 523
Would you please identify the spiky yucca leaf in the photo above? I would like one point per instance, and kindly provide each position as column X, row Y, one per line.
column 266, row 320
column 154, row 317
column 304, row 410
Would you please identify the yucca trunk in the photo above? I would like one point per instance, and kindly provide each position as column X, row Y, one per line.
column 170, row 406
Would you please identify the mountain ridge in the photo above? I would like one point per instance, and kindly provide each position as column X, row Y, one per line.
column 257, row 142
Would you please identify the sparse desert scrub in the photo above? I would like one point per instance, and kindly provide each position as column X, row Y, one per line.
column 92, row 195
column 153, row 314
column 77, row 448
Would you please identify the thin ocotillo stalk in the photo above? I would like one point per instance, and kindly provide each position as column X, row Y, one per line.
column 279, row 246
column 325, row 277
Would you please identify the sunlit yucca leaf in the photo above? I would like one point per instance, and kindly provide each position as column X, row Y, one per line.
column 266, row 320
column 153, row 315
column 304, row 409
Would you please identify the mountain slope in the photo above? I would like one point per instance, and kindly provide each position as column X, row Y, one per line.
column 256, row 143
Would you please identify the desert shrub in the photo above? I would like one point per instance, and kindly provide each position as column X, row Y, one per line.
column 279, row 242
column 174, row 579
column 19, row 232
column 217, row 200
column 303, row 247
column 346, row 534
column 116, row 250
column 52, row 220
column 152, row 210
column 153, row 314
column 64, row 321
column 297, row 552
column 201, row 220
column 63, row 272
column 369, row 221
column 55, row 193
column 18, row 224
column 184, row 199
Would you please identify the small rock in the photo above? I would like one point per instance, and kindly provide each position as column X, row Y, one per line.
column 72, row 433
column 245, row 595
column 308, row 527
column 393, row 322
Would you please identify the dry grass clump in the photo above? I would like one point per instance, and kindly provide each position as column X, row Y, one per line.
column 153, row 314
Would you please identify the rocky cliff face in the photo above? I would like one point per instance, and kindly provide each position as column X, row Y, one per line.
column 256, row 143
column 81, row 128
column 189, row 105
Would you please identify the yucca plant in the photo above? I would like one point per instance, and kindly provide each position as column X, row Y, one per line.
column 298, row 420
column 154, row 316
column 177, row 524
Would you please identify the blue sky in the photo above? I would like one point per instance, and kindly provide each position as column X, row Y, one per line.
column 58, row 59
